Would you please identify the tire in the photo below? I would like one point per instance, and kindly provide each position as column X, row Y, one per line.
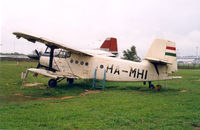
column 52, row 83
column 70, row 81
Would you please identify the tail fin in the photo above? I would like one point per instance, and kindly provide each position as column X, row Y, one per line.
column 163, row 52
column 110, row 44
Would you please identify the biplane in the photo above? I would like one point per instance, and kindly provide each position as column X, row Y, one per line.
column 62, row 62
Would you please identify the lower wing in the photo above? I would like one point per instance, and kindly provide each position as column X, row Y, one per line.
column 54, row 75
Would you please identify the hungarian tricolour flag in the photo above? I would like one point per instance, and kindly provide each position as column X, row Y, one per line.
column 170, row 51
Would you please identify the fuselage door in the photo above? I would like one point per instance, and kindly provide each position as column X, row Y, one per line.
column 62, row 60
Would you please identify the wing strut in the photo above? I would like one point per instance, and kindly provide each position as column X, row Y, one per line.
column 156, row 67
column 51, row 57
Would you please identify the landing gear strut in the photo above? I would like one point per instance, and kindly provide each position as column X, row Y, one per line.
column 70, row 80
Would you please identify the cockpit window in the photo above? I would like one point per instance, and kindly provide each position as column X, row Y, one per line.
column 47, row 50
column 58, row 53
column 68, row 54
column 64, row 54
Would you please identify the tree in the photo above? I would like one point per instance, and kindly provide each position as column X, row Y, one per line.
column 131, row 54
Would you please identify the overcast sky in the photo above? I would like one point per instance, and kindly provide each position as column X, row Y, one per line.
column 85, row 24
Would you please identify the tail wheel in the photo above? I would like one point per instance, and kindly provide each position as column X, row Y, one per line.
column 151, row 86
column 70, row 81
column 158, row 87
column 52, row 83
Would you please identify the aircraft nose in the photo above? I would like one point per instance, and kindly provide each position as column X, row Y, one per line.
column 35, row 57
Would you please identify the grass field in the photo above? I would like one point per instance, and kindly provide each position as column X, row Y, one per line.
column 120, row 106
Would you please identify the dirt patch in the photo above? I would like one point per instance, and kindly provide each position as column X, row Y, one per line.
column 88, row 92
column 17, row 94
column 20, row 95
column 38, row 85
column 183, row 91
column 197, row 80
column 68, row 97
column 32, row 84
column 52, row 98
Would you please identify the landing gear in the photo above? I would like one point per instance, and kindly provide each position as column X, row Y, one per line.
column 157, row 87
column 70, row 80
column 52, row 83
column 151, row 85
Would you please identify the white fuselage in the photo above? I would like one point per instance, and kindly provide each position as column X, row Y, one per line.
column 116, row 69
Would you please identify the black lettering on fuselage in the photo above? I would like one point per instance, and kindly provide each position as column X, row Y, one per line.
column 109, row 68
column 145, row 77
column 125, row 71
column 116, row 71
column 132, row 72
column 140, row 73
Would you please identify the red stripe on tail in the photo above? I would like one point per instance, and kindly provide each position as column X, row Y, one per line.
column 170, row 48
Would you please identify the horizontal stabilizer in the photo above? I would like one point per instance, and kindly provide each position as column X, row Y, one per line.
column 173, row 77
column 159, row 61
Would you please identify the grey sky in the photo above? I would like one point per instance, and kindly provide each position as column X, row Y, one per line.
column 87, row 23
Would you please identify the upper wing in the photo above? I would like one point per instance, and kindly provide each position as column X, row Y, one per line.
column 49, row 43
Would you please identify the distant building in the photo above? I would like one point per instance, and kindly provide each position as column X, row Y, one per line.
column 188, row 60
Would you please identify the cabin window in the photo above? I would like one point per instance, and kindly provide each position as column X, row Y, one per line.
column 101, row 66
column 71, row 60
column 82, row 63
column 76, row 61
column 86, row 63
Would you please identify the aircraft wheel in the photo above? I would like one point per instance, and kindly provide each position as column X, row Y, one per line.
column 35, row 74
column 52, row 83
column 70, row 81
column 158, row 87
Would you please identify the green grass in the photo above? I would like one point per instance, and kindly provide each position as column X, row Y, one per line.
column 120, row 106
